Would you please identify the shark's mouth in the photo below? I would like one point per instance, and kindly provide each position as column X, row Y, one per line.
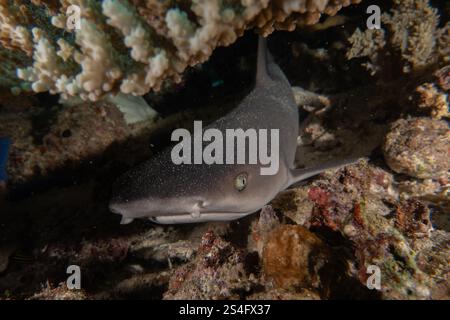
column 197, row 218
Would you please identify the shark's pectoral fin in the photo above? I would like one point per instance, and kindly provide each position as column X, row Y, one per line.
column 297, row 175
column 126, row 220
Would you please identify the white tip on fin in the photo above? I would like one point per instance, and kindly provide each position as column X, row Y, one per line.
column 126, row 220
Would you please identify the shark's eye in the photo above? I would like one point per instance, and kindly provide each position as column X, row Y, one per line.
column 241, row 181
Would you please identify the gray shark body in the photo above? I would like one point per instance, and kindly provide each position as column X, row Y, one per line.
column 168, row 193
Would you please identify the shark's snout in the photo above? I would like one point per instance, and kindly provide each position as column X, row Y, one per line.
column 116, row 208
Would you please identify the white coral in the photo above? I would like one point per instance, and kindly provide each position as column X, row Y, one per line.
column 135, row 31
column 99, row 70
column 159, row 49
column 46, row 68
column 13, row 35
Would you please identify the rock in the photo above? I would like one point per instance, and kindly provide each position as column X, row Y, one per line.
column 295, row 205
column 361, row 205
column 293, row 257
column 418, row 147
column 261, row 229
column 433, row 258
column 413, row 219
column 5, row 253
column 47, row 139
column 61, row 292
column 217, row 272
column 283, row 294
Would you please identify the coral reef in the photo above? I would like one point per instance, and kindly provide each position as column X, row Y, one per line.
column 419, row 147
column 131, row 46
column 359, row 205
column 59, row 293
column 350, row 204
column 283, row 294
column 433, row 96
column 316, row 240
column 76, row 133
column 414, row 39
column 218, row 272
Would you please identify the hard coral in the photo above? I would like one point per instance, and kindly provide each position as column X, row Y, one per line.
column 433, row 96
column 414, row 38
column 13, row 35
column 133, row 46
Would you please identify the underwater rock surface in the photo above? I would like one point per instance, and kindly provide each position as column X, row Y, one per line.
column 418, row 147
column 381, row 101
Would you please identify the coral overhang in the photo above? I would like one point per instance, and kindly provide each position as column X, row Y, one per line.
column 131, row 46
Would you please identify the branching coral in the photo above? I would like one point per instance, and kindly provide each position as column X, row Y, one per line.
column 433, row 96
column 413, row 37
column 367, row 44
column 13, row 35
column 134, row 46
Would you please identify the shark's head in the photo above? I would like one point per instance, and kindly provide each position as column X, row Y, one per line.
column 168, row 193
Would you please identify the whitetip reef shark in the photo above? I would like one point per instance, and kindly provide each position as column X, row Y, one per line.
column 169, row 193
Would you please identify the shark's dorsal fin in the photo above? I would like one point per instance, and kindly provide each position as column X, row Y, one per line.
column 267, row 71
column 262, row 72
